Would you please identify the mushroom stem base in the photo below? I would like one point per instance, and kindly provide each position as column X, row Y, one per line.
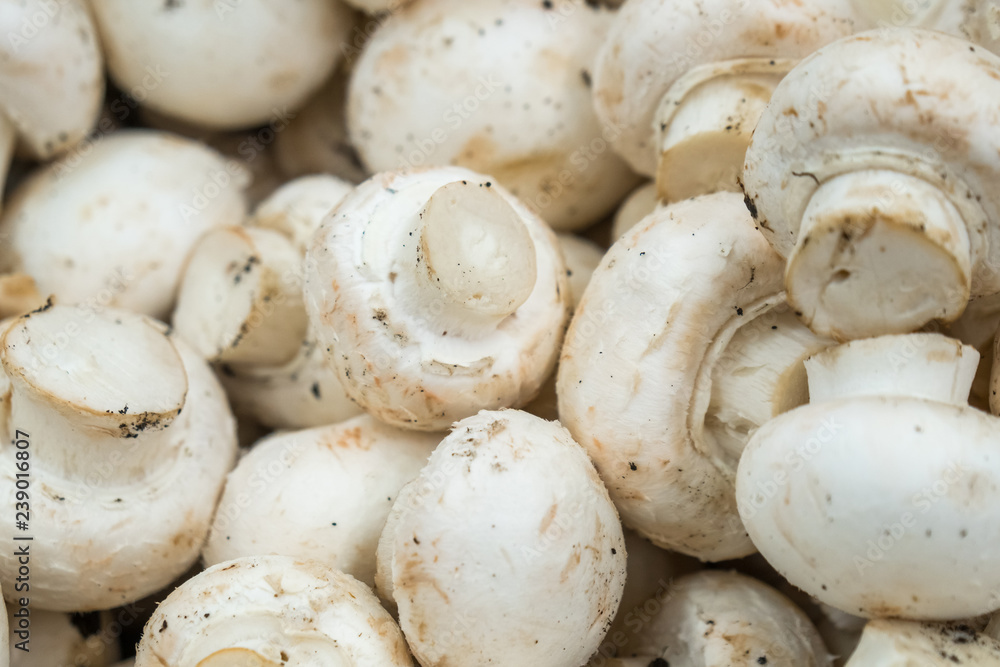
column 878, row 252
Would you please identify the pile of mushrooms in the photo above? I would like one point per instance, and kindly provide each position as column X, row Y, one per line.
column 557, row 333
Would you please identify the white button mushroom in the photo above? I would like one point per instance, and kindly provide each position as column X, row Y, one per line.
column 271, row 611
column 505, row 550
column 128, row 437
column 878, row 187
column 438, row 294
column 859, row 497
column 498, row 86
column 321, row 494
column 716, row 618
column 240, row 304
column 888, row 643
column 681, row 348
column 242, row 62
column 113, row 225
column 684, row 83
column 55, row 639
column 51, row 76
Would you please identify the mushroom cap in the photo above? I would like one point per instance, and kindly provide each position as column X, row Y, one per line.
column 879, row 505
column 652, row 43
column 498, row 86
column 392, row 357
column 243, row 63
column 271, row 610
column 303, row 393
column 113, row 225
column 298, row 207
column 51, row 73
column 635, row 370
column 493, row 559
column 321, row 494
column 894, row 643
column 901, row 100
column 106, row 540
column 724, row 618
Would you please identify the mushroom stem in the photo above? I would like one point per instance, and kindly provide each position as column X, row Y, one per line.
column 759, row 375
column 93, row 396
column 924, row 365
column 879, row 252
column 704, row 132
column 476, row 262
column 241, row 298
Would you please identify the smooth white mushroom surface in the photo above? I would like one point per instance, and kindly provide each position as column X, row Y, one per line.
column 505, row 550
column 681, row 348
column 124, row 470
column 498, row 86
column 271, row 611
column 242, row 63
column 436, row 294
column 112, row 226
column 56, row 639
column 858, row 497
column 321, row 494
column 51, row 75
column 684, row 82
column 715, row 618
column 893, row 643
column 878, row 188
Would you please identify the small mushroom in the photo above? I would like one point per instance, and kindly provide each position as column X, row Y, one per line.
column 893, row 643
column 725, row 618
column 243, row 62
column 437, row 294
column 321, row 494
column 684, row 83
column 51, row 77
column 505, row 550
column 681, row 348
column 271, row 611
column 240, row 304
column 858, row 497
column 56, row 639
column 498, row 86
column 877, row 188
column 112, row 226
column 128, row 439
column 637, row 206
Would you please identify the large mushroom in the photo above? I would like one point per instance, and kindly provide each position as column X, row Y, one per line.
column 122, row 472
column 859, row 497
column 436, row 294
column 505, row 550
column 872, row 172
column 321, row 494
column 112, row 226
column 681, row 348
column 683, row 83
column 271, row 611
column 244, row 62
column 498, row 86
